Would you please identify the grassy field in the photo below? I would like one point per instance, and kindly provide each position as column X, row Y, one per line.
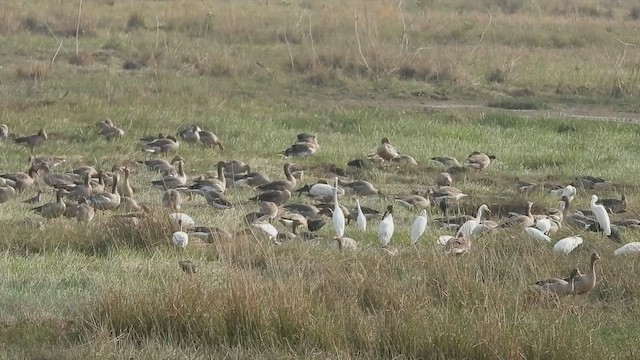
column 257, row 73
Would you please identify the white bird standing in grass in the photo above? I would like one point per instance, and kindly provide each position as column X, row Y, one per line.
column 566, row 245
column 602, row 217
column 467, row 228
column 338, row 215
column 630, row 248
column 361, row 220
column 386, row 227
column 180, row 238
column 419, row 226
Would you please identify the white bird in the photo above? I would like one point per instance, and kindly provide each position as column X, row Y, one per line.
column 443, row 240
column 419, row 226
column 566, row 245
column 467, row 228
column 544, row 225
column 537, row 234
column 320, row 190
column 630, row 248
column 338, row 215
column 269, row 229
column 186, row 220
column 602, row 217
column 180, row 238
column 386, row 227
column 569, row 191
column 361, row 219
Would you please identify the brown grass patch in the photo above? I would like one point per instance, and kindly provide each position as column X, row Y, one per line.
column 34, row 71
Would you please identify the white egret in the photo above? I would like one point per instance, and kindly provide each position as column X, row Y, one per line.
column 419, row 226
column 566, row 245
column 361, row 219
column 537, row 234
column 338, row 215
column 386, row 227
column 467, row 228
column 602, row 217
column 630, row 248
column 180, row 238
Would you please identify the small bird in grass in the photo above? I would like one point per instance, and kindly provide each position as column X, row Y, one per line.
column 187, row 266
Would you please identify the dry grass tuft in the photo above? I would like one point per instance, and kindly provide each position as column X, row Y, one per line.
column 34, row 71
column 83, row 58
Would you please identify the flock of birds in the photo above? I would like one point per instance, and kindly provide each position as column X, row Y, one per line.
column 86, row 190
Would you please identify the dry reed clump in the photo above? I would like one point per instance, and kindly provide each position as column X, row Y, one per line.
column 82, row 58
column 152, row 231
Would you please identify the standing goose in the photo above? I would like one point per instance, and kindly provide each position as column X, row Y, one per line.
column 31, row 141
column 235, row 167
column 162, row 146
column 556, row 286
column 172, row 199
column 584, row 283
column 106, row 200
column 217, row 200
column 386, row 227
column 601, row 215
column 418, row 227
column 361, row 220
column 288, row 184
column 84, row 211
column 338, row 216
column 209, row 139
column 21, row 181
column 251, row 179
column 218, row 184
column 172, row 182
column 479, row 161
column 53, row 210
column 125, row 189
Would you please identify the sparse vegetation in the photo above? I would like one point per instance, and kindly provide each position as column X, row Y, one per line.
column 258, row 73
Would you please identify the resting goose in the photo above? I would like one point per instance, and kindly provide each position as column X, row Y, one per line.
column 49, row 161
column 615, row 205
column 479, row 161
column 385, row 150
column 53, row 210
column 585, row 283
column 278, row 197
column 172, row 199
column 218, row 184
column 83, row 190
column 109, row 131
column 288, row 184
column 413, row 201
column 447, row 161
column 163, row 166
column 556, row 286
column 251, row 179
column 162, row 146
column 235, row 167
column 307, row 145
column 362, row 188
column 6, row 193
column 519, row 219
column 346, row 243
column 191, row 134
column 172, row 182
column 444, row 179
column 19, row 180
column 216, row 200
column 84, row 211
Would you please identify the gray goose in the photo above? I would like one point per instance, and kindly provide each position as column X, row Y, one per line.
column 52, row 210
column 31, row 141
column 288, row 184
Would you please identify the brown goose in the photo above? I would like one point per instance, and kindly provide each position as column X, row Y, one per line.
column 19, row 180
column 584, row 283
column 288, row 184
column 209, row 139
column 85, row 169
column 84, row 211
column 53, row 210
column 413, row 201
column 444, row 179
column 556, row 286
column 447, row 161
column 521, row 220
column 218, row 183
column 162, row 146
column 125, row 189
column 49, row 161
column 172, row 182
column 6, row 193
column 386, row 150
column 83, row 190
column 362, row 188
column 172, row 199
column 163, row 166
column 109, row 131
column 106, row 200
column 615, row 205
column 307, row 145
column 278, row 197
column 190, row 135
column 31, row 141
column 479, row 161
